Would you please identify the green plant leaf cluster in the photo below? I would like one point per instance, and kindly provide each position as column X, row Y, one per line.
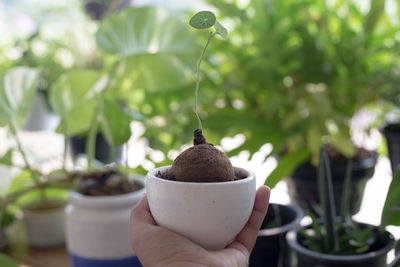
column 332, row 234
column 301, row 70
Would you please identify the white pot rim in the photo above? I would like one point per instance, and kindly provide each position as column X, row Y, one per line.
column 153, row 175
column 79, row 199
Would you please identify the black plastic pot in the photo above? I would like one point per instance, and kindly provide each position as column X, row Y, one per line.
column 271, row 249
column 392, row 135
column 303, row 188
column 306, row 257
column 77, row 145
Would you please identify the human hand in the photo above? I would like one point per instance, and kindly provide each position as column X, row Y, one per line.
column 158, row 246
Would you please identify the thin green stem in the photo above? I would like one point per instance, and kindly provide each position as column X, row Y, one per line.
column 91, row 141
column 35, row 177
column 196, row 92
column 13, row 130
column 65, row 144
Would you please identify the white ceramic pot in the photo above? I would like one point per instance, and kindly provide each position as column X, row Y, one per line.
column 210, row 214
column 98, row 229
column 45, row 228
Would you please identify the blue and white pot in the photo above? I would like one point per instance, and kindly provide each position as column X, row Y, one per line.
column 98, row 229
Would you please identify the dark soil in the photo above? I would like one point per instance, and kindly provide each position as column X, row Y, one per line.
column 202, row 163
column 105, row 182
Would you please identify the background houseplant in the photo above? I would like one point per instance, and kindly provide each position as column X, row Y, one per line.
column 137, row 46
column 30, row 190
column 340, row 241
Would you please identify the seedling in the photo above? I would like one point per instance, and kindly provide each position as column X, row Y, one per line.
column 201, row 21
column 203, row 162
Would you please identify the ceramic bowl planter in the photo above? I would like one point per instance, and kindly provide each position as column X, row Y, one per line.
column 374, row 258
column 210, row 214
column 45, row 226
column 271, row 248
column 303, row 189
column 98, row 230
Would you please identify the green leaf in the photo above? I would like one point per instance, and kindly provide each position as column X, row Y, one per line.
column 145, row 30
column 325, row 190
column 73, row 99
column 115, row 124
column 391, row 208
column 221, row 30
column 159, row 49
column 203, row 20
column 7, row 158
column 17, row 93
column 286, row 166
column 6, row 261
column 156, row 72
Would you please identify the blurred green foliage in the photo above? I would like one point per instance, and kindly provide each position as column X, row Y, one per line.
column 293, row 74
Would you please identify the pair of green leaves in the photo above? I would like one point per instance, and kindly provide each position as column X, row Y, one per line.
column 206, row 19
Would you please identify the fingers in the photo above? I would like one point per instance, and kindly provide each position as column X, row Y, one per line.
column 141, row 212
column 248, row 236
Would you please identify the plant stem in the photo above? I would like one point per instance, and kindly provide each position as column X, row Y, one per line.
column 196, row 92
column 13, row 131
column 35, row 177
column 91, row 141
column 65, row 145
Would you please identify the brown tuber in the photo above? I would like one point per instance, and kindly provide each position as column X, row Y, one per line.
column 202, row 163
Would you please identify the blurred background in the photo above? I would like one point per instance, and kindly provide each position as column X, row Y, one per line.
column 293, row 75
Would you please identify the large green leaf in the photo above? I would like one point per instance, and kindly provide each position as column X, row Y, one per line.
column 73, row 99
column 115, row 124
column 155, row 41
column 17, row 92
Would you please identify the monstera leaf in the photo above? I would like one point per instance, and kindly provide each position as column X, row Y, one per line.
column 73, row 99
column 17, row 92
column 158, row 48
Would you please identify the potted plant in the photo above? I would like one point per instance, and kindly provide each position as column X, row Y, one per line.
column 271, row 248
column 136, row 44
column 201, row 196
column 304, row 191
column 30, row 190
column 340, row 241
